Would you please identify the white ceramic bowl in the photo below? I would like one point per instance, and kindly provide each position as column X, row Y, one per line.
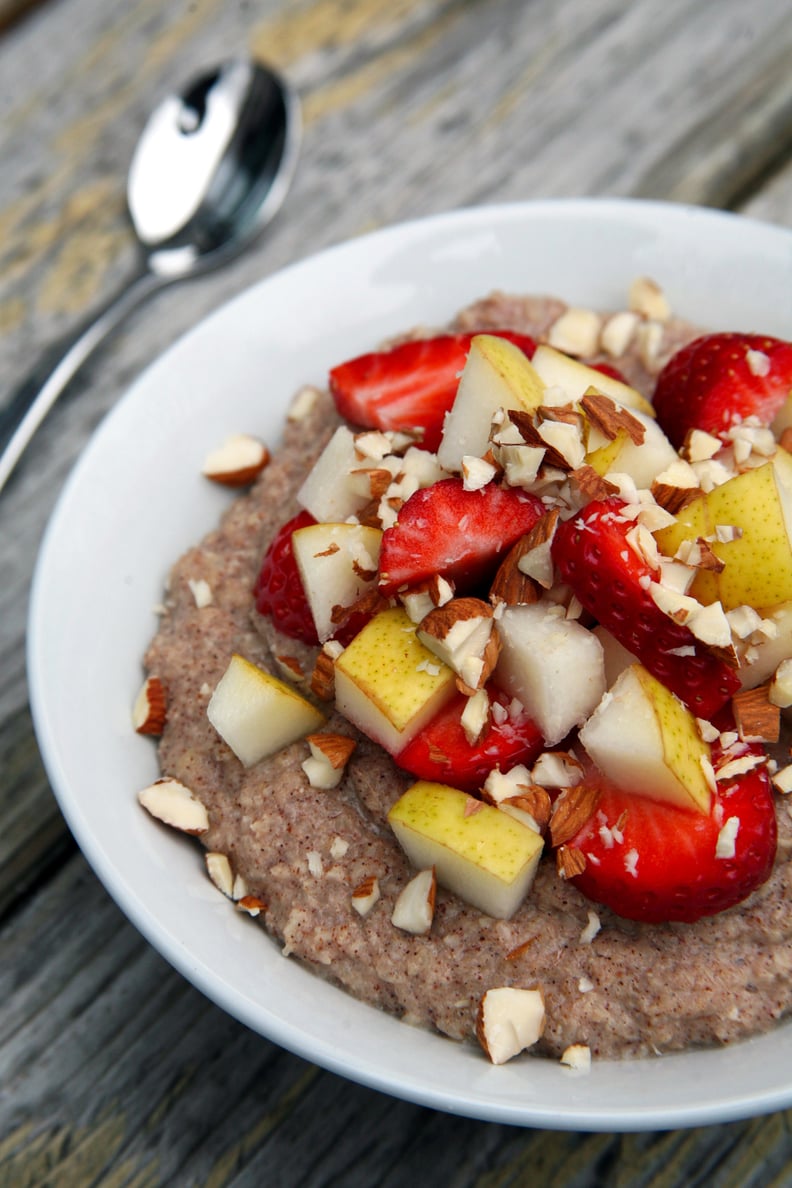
column 136, row 500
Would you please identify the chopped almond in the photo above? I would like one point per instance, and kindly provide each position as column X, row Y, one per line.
column 610, row 418
column 414, row 909
column 174, row 804
column 237, row 462
column 509, row 1020
column 150, row 709
column 462, row 634
column 758, row 720
column 570, row 862
column 571, row 810
column 219, row 870
column 365, row 895
column 647, row 298
column 323, row 676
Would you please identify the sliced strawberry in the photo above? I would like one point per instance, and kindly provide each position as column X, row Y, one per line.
column 441, row 751
column 592, row 555
column 279, row 590
column 656, row 862
column 457, row 533
column 717, row 380
column 410, row 386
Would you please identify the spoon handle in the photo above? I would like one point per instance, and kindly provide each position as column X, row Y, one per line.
column 32, row 400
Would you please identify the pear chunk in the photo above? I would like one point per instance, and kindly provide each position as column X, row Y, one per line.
column 574, row 379
column 479, row 853
column 388, row 683
column 337, row 564
column 497, row 375
column 644, row 739
column 747, row 522
column 552, row 665
column 256, row 714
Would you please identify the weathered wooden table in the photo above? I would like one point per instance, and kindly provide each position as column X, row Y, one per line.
column 115, row 1070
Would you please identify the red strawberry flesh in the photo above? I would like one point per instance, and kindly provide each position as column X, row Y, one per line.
column 655, row 862
column 279, row 590
column 459, row 534
column 410, row 386
column 441, row 751
column 594, row 558
column 718, row 380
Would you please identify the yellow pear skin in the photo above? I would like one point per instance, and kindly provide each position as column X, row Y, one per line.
column 758, row 562
column 484, row 856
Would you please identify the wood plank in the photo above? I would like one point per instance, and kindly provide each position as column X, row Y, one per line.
column 115, row 1070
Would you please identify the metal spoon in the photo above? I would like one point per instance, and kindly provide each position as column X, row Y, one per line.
column 212, row 167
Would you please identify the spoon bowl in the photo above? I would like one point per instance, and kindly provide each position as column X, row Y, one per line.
column 212, row 167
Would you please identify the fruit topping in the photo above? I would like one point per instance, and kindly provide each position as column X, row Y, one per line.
column 409, row 387
column 718, row 380
column 441, row 751
column 614, row 582
column 461, row 535
column 279, row 590
column 654, row 861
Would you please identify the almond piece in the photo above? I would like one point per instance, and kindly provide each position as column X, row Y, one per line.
column 610, row 418
column 150, row 708
column 648, row 299
column 591, row 484
column 570, row 862
column 329, row 755
column 461, row 634
column 577, row 1057
column 534, row 801
column 413, row 911
column 251, row 904
column 323, row 676
column 219, row 870
column 336, row 748
column 509, row 1020
column 174, row 804
column 758, row 720
column 237, row 462
column 571, row 810
column 365, row 895
column 511, row 586
column 576, row 332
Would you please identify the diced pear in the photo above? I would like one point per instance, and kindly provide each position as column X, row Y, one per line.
column 388, row 684
column 497, row 375
column 256, row 714
column 646, row 741
column 642, row 462
column 552, row 665
column 331, row 490
column 574, row 379
column 758, row 561
column 337, row 564
column 485, row 856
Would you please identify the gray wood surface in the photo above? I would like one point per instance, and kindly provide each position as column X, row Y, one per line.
column 113, row 1070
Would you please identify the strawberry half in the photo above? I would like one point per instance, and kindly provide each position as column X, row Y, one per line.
column 718, row 380
column 279, row 590
column 411, row 386
column 457, row 533
column 655, row 862
column 593, row 556
column 441, row 751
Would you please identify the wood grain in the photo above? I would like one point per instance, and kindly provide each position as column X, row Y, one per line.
column 114, row 1070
